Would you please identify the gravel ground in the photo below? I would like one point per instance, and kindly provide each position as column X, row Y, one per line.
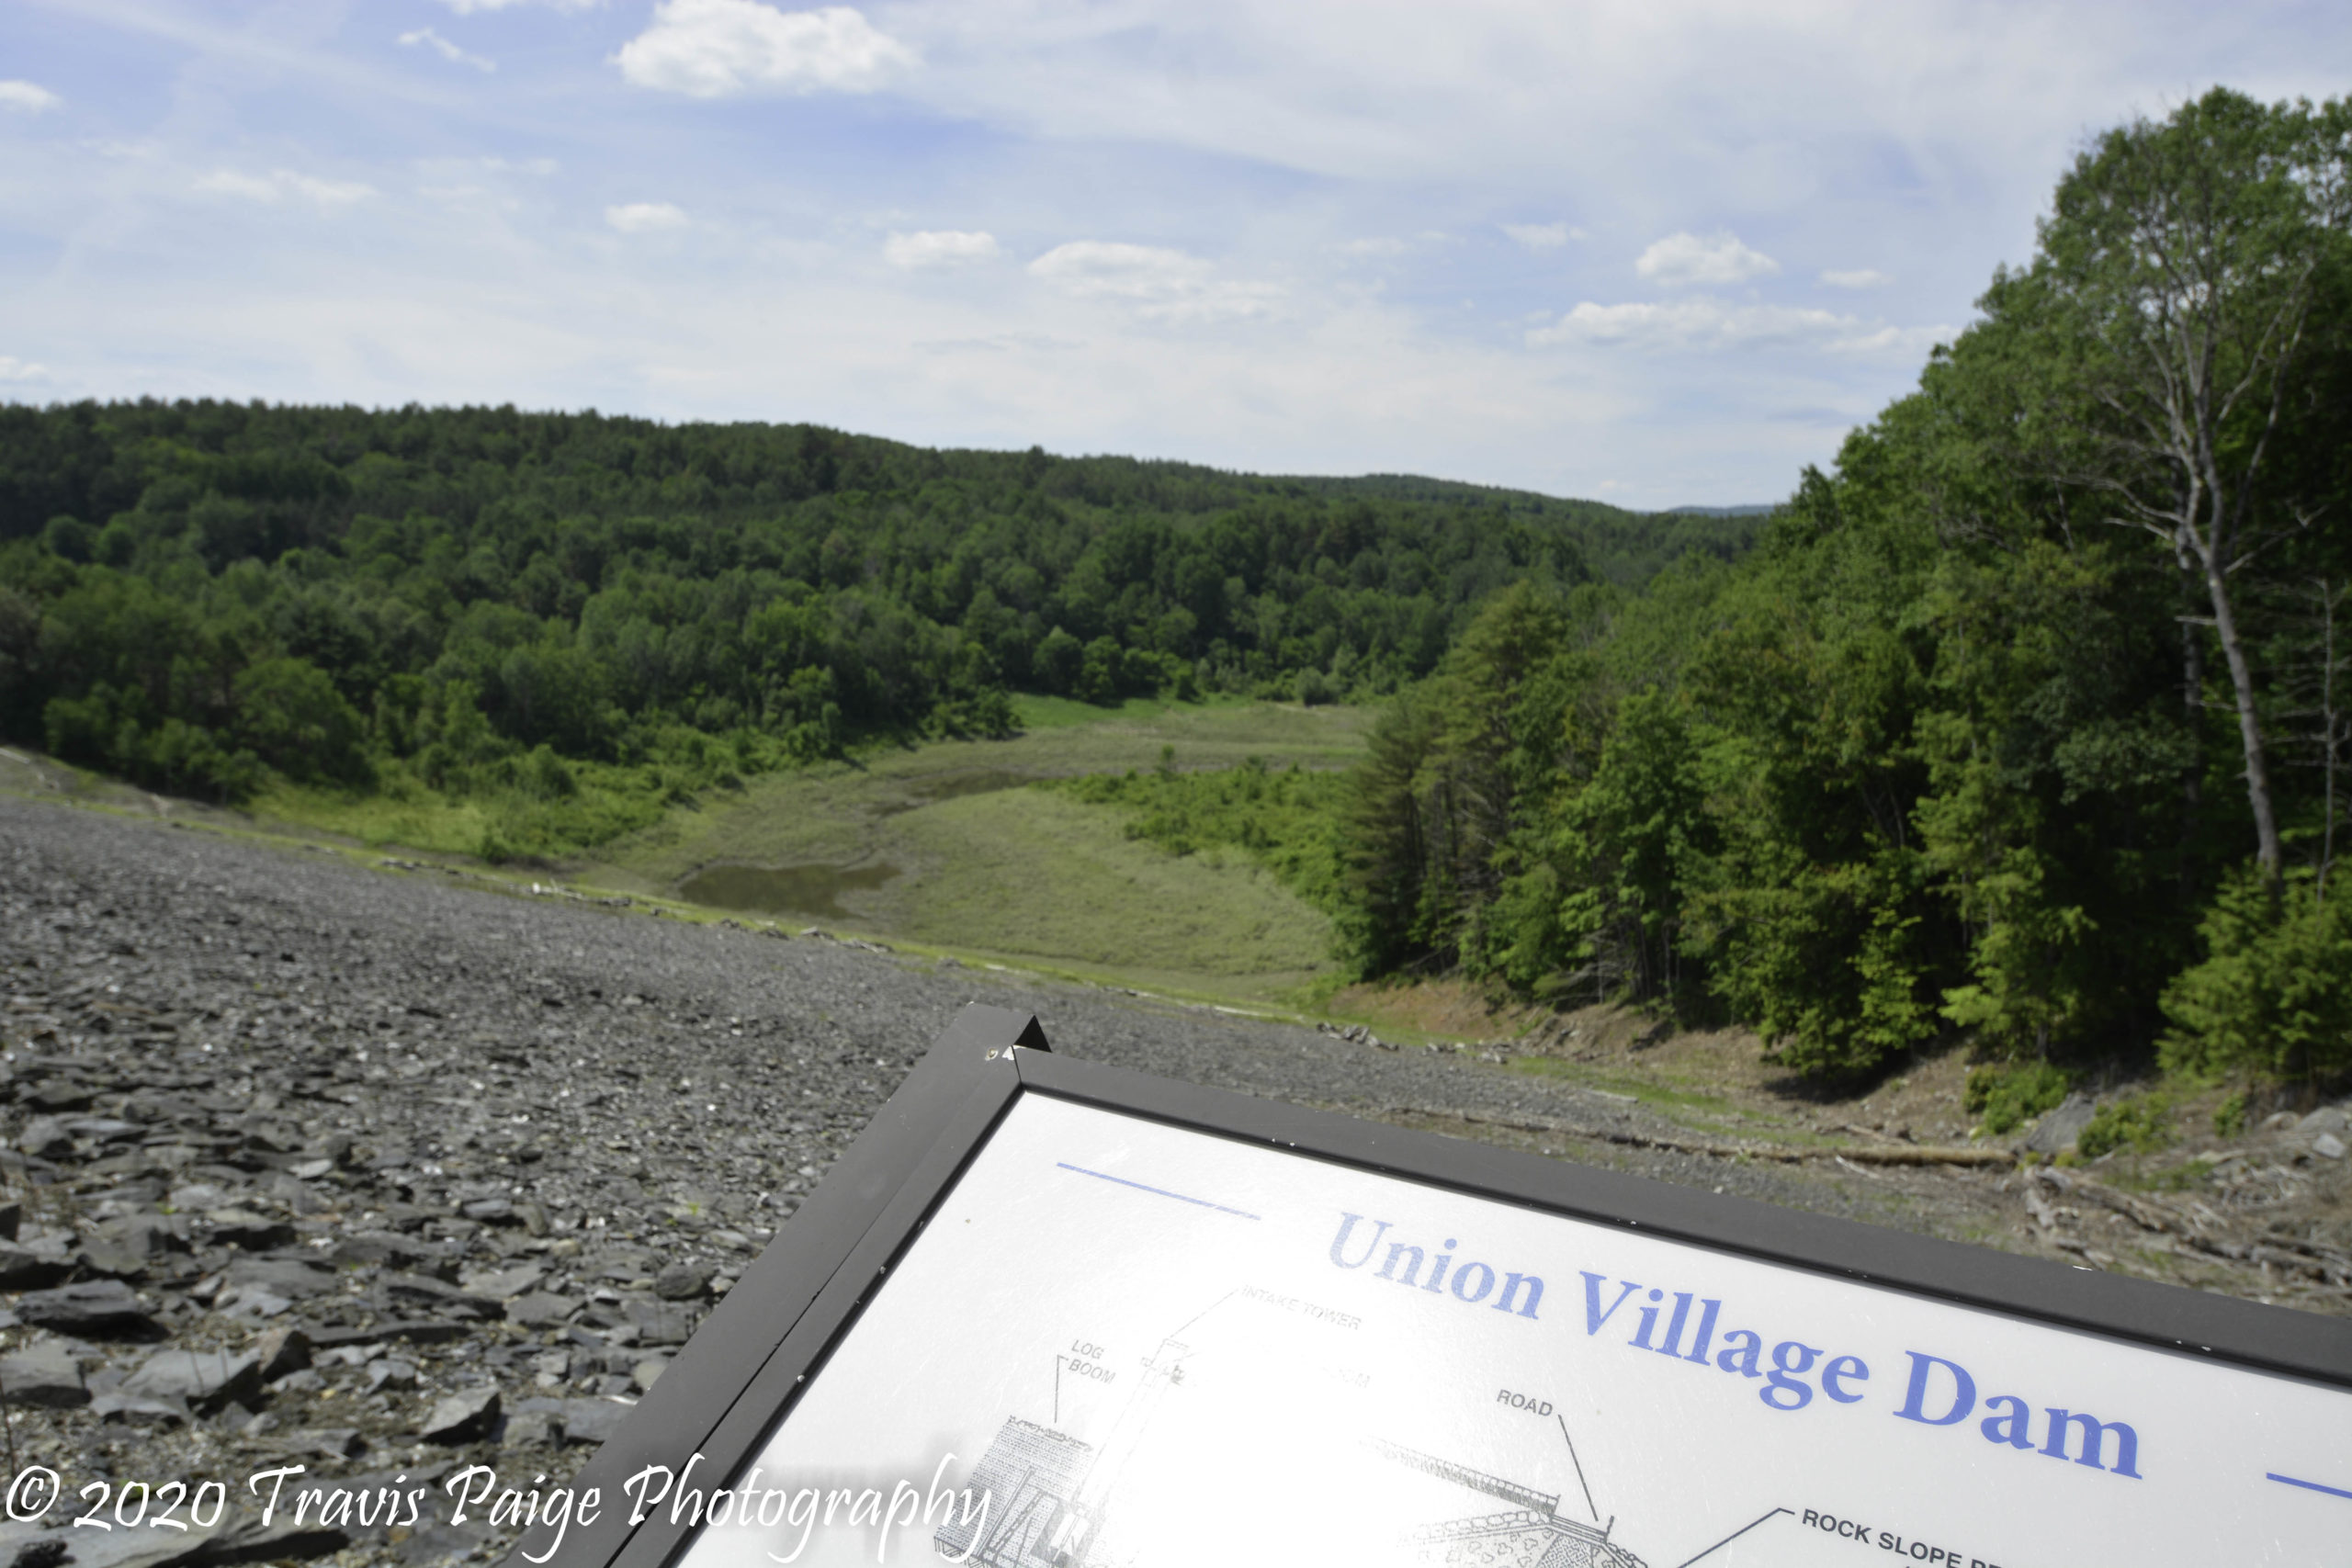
column 427, row 1174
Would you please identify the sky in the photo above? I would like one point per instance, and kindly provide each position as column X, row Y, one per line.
column 1650, row 252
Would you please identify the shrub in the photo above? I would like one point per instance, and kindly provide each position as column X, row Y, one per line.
column 2142, row 1123
column 545, row 776
column 2005, row 1096
column 2228, row 1117
column 2273, row 994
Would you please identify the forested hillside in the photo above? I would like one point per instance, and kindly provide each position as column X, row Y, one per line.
column 2032, row 721
column 197, row 595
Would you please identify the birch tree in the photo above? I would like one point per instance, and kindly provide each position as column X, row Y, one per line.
column 2176, row 279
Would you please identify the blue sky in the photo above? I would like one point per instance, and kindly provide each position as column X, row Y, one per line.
column 1655, row 253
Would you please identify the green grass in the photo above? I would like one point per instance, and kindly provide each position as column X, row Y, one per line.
column 1035, row 713
column 1036, row 876
column 984, row 867
column 981, row 866
column 434, row 823
column 600, row 802
column 1657, row 1093
column 1285, row 820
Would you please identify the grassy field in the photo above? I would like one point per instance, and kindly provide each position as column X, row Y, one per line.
column 940, row 846
column 943, row 845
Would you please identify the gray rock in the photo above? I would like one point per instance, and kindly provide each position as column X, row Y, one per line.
column 203, row 1379
column 44, row 1138
column 22, row 1268
column 426, row 1331
column 96, row 1309
column 2327, row 1146
column 391, row 1373
column 280, row 1351
column 138, row 1410
column 296, row 1279
column 252, row 1303
column 328, row 1442
column 532, row 1430
column 105, row 1129
column 27, row 1545
column 540, row 1310
column 504, row 1283
column 2057, row 1131
column 648, row 1373
column 112, row 1259
column 131, row 1549
column 388, row 1249
column 45, row 1375
column 659, row 1323
column 242, row 1227
column 414, row 1293
column 681, row 1283
column 462, row 1418
column 2326, row 1118
column 583, row 1421
column 143, row 1234
column 242, row 1538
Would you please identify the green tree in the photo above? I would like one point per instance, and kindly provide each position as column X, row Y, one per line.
column 2171, row 309
column 2273, row 994
column 291, row 714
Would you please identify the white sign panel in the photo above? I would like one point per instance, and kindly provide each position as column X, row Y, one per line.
column 1142, row 1346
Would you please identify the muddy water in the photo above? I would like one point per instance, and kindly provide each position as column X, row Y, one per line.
column 932, row 788
column 813, row 890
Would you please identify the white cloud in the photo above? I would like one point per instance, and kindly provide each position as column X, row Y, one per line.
column 716, row 49
column 27, row 98
column 1861, row 277
column 940, row 247
column 645, row 217
column 1907, row 343
column 1704, row 325
column 279, row 184
column 21, row 370
column 1378, row 245
column 1697, row 324
column 1162, row 284
column 1539, row 236
column 467, row 7
column 1715, row 258
column 445, row 49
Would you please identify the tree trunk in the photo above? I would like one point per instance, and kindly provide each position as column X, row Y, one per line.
column 2192, row 697
column 2257, row 769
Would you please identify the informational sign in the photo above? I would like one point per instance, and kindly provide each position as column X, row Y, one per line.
column 1122, row 1341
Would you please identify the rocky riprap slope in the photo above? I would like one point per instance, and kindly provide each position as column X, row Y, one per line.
column 388, row 1172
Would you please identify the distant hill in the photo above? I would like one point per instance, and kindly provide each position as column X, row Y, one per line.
column 196, row 595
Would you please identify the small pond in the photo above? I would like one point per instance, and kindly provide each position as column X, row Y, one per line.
column 812, row 890
column 930, row 789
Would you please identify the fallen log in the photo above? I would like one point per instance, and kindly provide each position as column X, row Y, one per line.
column 1781, row 1152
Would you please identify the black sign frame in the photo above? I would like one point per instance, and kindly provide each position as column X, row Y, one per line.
column 738, row 1377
